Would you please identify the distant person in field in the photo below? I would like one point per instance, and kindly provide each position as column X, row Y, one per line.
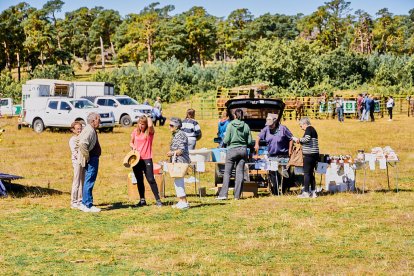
column 360, row 106
column 339, row 105
column 78, row 170
column 146, row 102
column 141, row 140
column 390, row 107
column 90, row 151
column 371, row 108
column 191, row 128
column 222, row 125
column 157, row 113
column 366, row 104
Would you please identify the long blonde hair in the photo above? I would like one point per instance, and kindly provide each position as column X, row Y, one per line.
column 142, row 120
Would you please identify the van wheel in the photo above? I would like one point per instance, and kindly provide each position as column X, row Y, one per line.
column 38, row 126
column 126, row 121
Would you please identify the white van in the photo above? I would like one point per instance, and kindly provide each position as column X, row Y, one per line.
column 126, row 110
column 60, row 112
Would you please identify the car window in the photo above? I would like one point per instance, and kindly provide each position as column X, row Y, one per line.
column 82, row 104
column 53, row 104
column 64, row 106
column 111, row 102
column 127, row 101
column 3, row 102
column 101, row 102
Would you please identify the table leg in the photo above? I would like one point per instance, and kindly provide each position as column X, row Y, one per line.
column 388, row 176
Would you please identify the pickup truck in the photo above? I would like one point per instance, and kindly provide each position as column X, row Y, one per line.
column 7, row 108
column 126, row 110
column 60, row 112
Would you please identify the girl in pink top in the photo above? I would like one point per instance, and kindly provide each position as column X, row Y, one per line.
column 141, row 141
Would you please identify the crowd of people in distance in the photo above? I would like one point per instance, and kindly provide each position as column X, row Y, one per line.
column 365, row 107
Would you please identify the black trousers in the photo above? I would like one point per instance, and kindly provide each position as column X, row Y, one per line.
column 145, row 167
column 371, row 114
column 161, row 119
column 309, row 164
column 390, row 112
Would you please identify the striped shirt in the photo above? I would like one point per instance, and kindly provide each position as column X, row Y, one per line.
column 180, row 142
column 191, row 128
column 309, row 141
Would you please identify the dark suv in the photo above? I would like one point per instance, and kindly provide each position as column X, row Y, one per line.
column 255, row 112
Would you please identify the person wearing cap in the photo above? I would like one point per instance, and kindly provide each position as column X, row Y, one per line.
column 279, row 145
column 179, row 151
column 141, row 140
column 237, row 139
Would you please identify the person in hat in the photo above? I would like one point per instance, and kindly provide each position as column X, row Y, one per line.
column 279, row 143
column 78, row 170
column 237, row 139
column 179, row 151
column 141, row 141
column 89, row 153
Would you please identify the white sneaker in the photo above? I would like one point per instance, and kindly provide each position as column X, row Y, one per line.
column 83, row 208
column 181, row 205
column 313, row 194
column 94, row 209
column 221, row 198
column 75, row 205
column 304, row 195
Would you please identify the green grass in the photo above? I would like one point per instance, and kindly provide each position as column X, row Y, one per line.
column 343, row 233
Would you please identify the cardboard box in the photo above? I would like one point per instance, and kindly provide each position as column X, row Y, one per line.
column 133, row 194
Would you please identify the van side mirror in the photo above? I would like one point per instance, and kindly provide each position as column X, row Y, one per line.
column 68, row 108
column 115, row 105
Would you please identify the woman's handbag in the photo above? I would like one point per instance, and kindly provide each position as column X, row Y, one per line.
column 296, row 159
column 177, row 170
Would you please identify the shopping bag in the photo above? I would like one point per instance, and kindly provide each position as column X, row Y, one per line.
column 177, row 170
column 296, row 159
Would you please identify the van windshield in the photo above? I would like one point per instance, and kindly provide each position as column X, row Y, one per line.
column 127, row 101
column 82, row 104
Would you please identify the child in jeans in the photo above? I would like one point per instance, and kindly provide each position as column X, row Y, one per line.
column 78, row 170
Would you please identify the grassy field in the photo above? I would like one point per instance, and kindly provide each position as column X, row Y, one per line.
column 345, row 233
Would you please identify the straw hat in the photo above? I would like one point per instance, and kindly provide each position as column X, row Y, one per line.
column 131, row 159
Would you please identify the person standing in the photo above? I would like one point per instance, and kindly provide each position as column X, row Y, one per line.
column 371, row 108
column 310, row 150
column 158, row 105
column 78, row 170
column 237, row 139
column 179, row 151
column 366, row 104
column 191, row 128
column 141, row 140
column 222, row 126
column 89, row 153
column 360, row 107
column 390, row 106
column 279, row 145
column 157, row 112
column 339, row 104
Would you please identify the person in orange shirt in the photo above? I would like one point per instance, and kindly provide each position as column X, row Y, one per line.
column 141, row 141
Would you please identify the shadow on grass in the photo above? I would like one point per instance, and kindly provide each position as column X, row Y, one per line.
column 166, row 204
column 18, row 191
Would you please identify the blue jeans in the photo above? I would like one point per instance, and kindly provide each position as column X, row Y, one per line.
column 340, row 112
column 91, row 171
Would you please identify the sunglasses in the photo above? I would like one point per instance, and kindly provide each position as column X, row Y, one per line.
column 172, row 125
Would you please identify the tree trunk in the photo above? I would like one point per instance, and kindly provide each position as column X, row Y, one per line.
column 149, row 50
column 41, row 58
column 6, row 51
column 102, row 53
column 18, row 66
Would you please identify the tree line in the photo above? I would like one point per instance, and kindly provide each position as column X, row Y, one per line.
column 333, row 47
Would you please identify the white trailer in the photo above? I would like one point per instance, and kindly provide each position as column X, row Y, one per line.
column 92, row 89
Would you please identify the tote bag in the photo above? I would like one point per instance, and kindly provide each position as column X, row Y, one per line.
column 296, row 159
column 177, row 170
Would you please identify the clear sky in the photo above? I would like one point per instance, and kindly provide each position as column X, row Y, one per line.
column 223, row 8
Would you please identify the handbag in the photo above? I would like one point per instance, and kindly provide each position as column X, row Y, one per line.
column 177, row 170
column 296, row 159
